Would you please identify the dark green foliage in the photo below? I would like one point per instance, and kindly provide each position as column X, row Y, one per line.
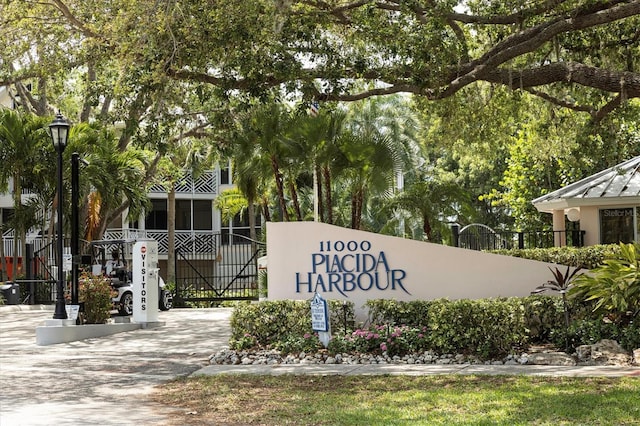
column 281, row 324
column 577, row 257
column 543, row 314
column 560, row 283
column 484, row 328
column 393, row 312
column 614, row 287
column 590, row 331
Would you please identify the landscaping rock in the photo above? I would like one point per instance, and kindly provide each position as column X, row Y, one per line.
column 551, row 358
column 605, row 352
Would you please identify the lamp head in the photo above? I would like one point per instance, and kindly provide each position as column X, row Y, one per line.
column 59, row 131
column 573, row 215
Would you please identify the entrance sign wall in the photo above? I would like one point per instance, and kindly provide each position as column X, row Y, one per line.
column 346, row 264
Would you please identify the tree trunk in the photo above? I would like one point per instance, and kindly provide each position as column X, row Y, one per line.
column 327, row 190
column 318, row 195
column 294, row 198
column 3, row 260
column 17, row 202
column 251, row 211
column 171, row 234
column 265, row 209
column 426, row 227
column 280, row 188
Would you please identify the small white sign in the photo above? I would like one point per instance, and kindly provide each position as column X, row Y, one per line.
column 67, row 262
column 319, row 314
column 72, row 311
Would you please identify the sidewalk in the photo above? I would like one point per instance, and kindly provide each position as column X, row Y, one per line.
column 103, row 381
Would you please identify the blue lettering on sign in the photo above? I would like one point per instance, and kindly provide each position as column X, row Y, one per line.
column 343, row 267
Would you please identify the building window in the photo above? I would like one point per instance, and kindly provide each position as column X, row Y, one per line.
column 188, row 212
column 183, row 215
column 225, row 173
column 239, row 228
column 618, row 225
column 7, row 215
column 202, row 215
column 157, row 217
column 224, row 176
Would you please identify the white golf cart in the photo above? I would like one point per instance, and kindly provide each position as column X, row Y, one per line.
column 112, row 258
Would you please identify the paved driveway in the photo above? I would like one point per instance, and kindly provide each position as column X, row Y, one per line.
column 103, row 381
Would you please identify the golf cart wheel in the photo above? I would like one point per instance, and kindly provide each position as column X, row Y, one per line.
column 126, row 304
column 166, row 300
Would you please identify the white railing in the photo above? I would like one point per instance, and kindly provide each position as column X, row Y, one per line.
column 187, row 241
column 206, row 183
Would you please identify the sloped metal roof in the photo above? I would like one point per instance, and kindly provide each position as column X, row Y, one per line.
column 618, row 183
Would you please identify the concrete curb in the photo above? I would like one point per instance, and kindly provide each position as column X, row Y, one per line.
column 421, row 370
column 53, row 334
column 21, row 308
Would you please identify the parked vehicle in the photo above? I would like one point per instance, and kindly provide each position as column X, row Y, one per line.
column 118, row 270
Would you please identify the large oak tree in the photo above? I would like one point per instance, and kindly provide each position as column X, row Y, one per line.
column 321, row 48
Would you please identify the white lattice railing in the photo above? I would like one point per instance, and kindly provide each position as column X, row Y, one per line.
column 186, row 241
column 206, row 183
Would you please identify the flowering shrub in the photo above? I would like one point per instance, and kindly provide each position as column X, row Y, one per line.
column 245, row 342
column 308, row 342
column 95, row 293
column 378, row 339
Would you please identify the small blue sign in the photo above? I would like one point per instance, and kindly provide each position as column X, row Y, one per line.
column 319, row 314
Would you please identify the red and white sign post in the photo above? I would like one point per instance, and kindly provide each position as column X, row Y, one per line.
column 145, row 281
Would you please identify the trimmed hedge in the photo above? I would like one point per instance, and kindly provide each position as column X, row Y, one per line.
column 272, row 323
column 585, row 257
column 484, row 328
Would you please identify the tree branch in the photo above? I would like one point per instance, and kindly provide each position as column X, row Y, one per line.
column 569, row 72
column 560, row 102
column 74, row 21
column 529, row 40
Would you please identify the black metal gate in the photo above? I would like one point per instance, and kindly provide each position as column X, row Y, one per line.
column 224, row 270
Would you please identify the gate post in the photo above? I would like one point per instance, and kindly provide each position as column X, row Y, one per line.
column 455, row 230
column 29, row 273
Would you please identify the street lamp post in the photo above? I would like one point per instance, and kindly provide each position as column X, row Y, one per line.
column 75, row 239
column 59, row 130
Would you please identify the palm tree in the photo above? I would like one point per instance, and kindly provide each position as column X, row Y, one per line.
column 252, row 177
column 434, row 203
column 261, row 139
column 191, row 155
column 23, row 139
column 372, row 153
column 317, row 150
column 368, row 165
column 112, row 177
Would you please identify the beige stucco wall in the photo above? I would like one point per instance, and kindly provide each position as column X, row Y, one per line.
column 590, row 223
column 298, row 261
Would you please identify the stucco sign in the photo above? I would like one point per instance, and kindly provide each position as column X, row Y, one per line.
column 347, row 264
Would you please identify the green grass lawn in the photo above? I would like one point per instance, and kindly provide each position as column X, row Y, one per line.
column 402, row 400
